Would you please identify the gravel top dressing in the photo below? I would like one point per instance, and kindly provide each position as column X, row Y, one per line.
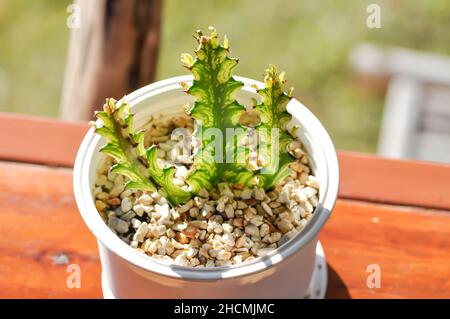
column 174, row 199
column 221, row 227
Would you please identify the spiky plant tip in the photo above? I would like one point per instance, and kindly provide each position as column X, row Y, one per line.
column 273, row 78
column 226, row 44
column 212, row 39
column 110, row 106
column 187, row 60
column 185, row 87
column 290, row 93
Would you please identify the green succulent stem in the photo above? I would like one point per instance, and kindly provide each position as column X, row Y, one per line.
column 164, row 177
column 215, row 110
column 273, row 114
column 125, row 146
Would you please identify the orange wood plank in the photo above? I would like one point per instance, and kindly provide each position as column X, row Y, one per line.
column 411, row 246
column 413, row 183
column 363, row 176
column 39, row 221
column 39, row 140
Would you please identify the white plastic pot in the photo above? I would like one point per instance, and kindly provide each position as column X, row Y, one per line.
column 284, row 273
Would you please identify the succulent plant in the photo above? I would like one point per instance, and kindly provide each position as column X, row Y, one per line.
column 133, row 160
column 125, row 146
column 273, row 125
column 223, row 153
column 215, row 110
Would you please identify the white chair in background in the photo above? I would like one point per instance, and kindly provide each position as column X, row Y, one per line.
column 416, row 118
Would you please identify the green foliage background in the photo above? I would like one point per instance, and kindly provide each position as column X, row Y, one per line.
column 310, row 39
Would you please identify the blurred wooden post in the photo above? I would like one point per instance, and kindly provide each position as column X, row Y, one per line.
column 112, row 53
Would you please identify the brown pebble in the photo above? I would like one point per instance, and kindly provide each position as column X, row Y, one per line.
column 260, row 210
column 182, row 238
column 238, row 222
column 190, row 231
column 100, row 205
column 113, row 201
column 272, row 228
column 251, row 201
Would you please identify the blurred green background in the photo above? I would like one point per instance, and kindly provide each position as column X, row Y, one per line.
column 311, row 40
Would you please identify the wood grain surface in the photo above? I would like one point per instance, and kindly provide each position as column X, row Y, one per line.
column 40, row 140
column 40, row 226
column 410, row 245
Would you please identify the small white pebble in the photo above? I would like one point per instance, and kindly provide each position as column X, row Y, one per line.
column 264, row 230
column 313, row 182
column 139, row 209
column 126, row 193
column 284, row 225
column 143, row 229
column 223, row 255
column 158, row 231
column 145, row 200
column 135, row 223
column 257, row 220
column 246, row 193
column 258, row 193
column 241, row 205
column 229, row 211
column 139, row 237
column 126, row 205
column 185, row 207
column 227, row 228
column 117, row 189
column 267, row 209
column 251, row 230
column 221, row 203
column 181, row 172
column 134, row 244
column 309, row 191
column 264, row 251
column 228, row 239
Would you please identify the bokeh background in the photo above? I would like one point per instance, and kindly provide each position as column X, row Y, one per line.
column 311, row 40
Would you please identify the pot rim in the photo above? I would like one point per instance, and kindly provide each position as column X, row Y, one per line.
column 320, row 141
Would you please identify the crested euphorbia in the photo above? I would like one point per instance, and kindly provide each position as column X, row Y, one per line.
column 223, row 130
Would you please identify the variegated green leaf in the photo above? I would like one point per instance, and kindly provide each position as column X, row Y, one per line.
column 115, row 123
column 164, row 177
column 273, row 146
column 215, row 107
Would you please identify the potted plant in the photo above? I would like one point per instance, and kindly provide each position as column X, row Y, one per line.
column 213, row 199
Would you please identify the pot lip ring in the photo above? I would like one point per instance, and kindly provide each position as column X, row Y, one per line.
column 321, row 142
